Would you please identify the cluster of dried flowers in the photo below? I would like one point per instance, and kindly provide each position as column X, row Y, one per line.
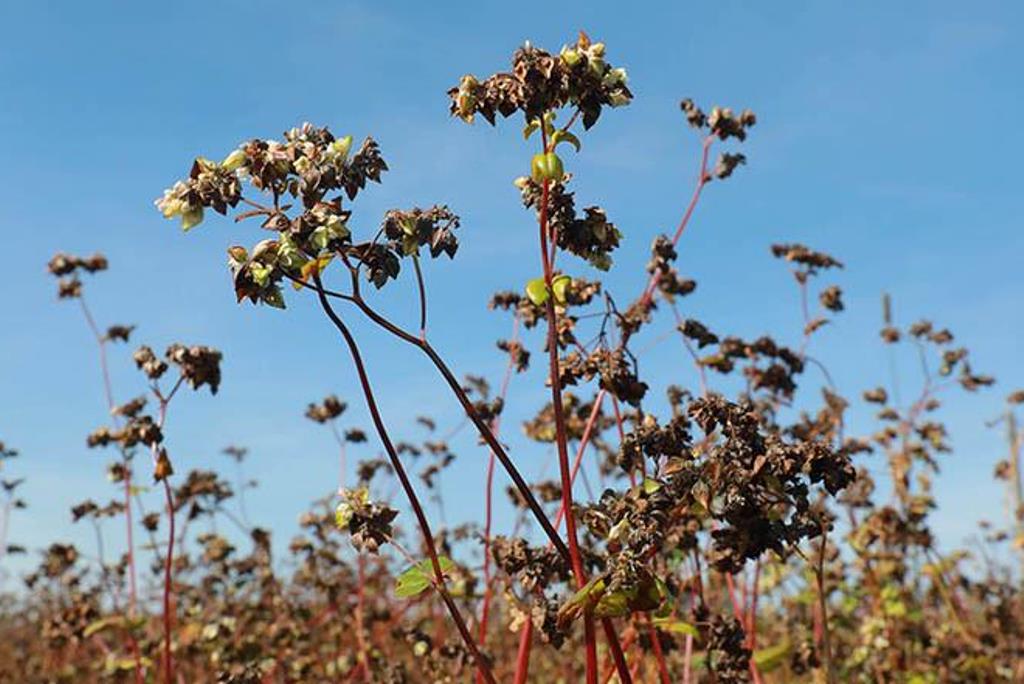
column 736, row 535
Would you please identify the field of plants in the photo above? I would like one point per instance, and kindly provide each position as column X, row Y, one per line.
column 734, row 528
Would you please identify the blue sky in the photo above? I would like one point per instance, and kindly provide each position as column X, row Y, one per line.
column 889, row 135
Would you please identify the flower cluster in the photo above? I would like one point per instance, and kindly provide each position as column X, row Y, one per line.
column 368, row 522
column 539, row 82
column 66, row 267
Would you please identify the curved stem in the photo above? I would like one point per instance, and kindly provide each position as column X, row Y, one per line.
column 467, row 405
column 423, row 296
column 403, row 478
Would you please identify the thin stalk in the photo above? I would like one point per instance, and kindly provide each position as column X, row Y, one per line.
column 410, row 492
column 523, row 654
column 101, row 344
column 826, row 640
column 467, row 405
column 422, row 290
column 702, row 180
column 659, row 654
column 560, row 437
column 168, row 663
column 489, row 496
column 168, row 566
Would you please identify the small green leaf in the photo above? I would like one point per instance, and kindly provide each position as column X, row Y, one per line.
column 561, row 136
column 676, row 626
column 613, row 604
column 97, row 626
column 420, row 576
column 558, row 287
column 585, row 598
column 537, row 291
column 768, row 659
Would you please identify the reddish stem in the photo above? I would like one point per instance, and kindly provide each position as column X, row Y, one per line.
column 560, row 437
column 523, row 656
column 702, row 180
column 495, row 429
column 168, row 613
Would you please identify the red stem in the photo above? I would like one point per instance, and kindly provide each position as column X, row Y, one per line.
column 495, row 429
column 168, row 614
column 523, row 656
column 702, row 180
column 561, row 440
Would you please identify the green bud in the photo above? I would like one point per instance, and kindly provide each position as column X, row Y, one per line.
column 546, row 166
column 559, row 286
column 537, row 291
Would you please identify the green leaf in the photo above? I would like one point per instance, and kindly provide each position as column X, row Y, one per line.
column 676, row 626
column 115, row 664
column 565, row 137
column 768, row 659
column 558, row 287
column 420, row 576
column 613, row 604
column 537, row 291
column 586, row 597
column 97, row 626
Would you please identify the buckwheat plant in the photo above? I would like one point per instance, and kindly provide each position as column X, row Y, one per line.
column 710, row 550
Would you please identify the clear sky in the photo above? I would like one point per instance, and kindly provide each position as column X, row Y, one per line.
column 889, row 134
